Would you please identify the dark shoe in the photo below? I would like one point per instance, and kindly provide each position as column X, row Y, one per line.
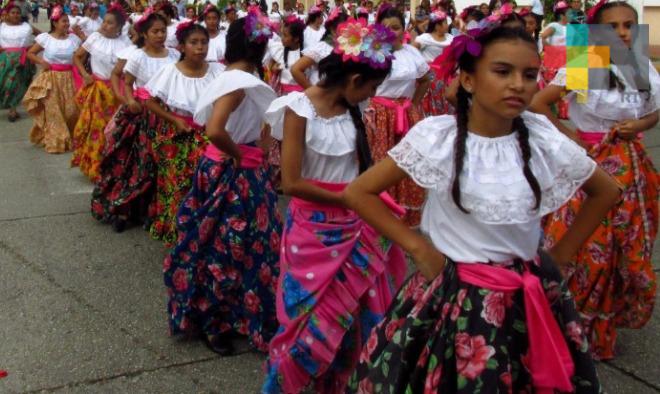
column 119, row 225
column 220, row 344
column 13, row 117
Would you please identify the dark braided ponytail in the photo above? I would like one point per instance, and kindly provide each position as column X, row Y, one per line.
column 467, row 63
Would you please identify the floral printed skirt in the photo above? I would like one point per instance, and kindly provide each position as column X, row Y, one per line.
column 127, row 174
column 451, row 337
column 380, row 123
column 612, row 276
column 97, row 104
column 50, row 101
column 338, row 278
column 14, row 78
column 434, row 102
column 176, row 157
column 221, row 274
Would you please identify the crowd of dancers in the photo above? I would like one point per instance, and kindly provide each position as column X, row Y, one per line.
column 531, row 236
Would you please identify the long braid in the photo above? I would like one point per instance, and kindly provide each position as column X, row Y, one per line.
column 523, row 141
column 462, row 97
column 361, row 141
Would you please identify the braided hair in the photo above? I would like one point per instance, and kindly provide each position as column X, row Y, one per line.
column 297, row 30
column 467, row 63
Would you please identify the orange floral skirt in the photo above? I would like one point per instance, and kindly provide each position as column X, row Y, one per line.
column 612, row 276
column 380, row 123
column 49, row 100
column 97, row 105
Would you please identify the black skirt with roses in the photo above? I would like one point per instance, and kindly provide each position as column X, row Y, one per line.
column 452, row 337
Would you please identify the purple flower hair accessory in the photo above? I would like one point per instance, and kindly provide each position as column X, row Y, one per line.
column 257, row 26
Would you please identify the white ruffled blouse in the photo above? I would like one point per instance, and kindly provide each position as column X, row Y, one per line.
column 89, row 25
column 276, row 53
column 103, row 52
column 317, row 53
column 501, row 224
column 58, row 51
column 19, row 36
column 127, row 52
column 597, row 110
column 311, row 37
column 217, row 48
column 244, row 124
column 432, row 48
column 408, row 66
column 143, row 66
column 179, row 92
column 330, row 143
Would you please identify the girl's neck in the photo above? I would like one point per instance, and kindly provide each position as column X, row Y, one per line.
column 293, row 47
column 213, row 33
column 327, row 102
column 438, row 36
column 14, row 24
column 486, row 123
column 59, row 34
column 153, row 50
column 192, row 68
column 242, row 65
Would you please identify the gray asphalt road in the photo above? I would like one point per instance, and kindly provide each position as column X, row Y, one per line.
column 82, row 309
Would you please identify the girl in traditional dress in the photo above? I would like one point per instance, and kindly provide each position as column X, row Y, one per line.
column 336, row 272
column 314, row 31
column 217, row 38
column 168, row 11
column 305, row 71
column 431, row 44
column 96, row 100
column 220, row 276
column 612, row 275
column 89, row 23
column 179, row 141
column 485, row 311
column 16, row 71
column 396, row 108
column 128, row 170
column 50, row 97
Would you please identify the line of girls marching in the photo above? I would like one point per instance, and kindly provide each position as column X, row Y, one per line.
column 188, row 150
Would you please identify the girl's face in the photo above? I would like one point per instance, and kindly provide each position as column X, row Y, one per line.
column 300, row 8
column 231, row 16
column 94, row 13
column 394, row 24
column 275, row 7
column 441, row 27
column 110, row 27
column 190, row 13
column 195, row 47
column 530, row 24
column 357, row 90
column 156, row 35
column 504, row 79
column 484, row 9
column 212, row 20
column 622, row 19
column 139, row 8
column 74, row 11
column 14, row 16
column 288, row 40
column 62, row 24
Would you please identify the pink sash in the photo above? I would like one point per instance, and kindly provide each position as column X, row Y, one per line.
column 61, row 67
column 141, row 93
column 77, row 79
column 550, row 362
column 22, row 50
column 288, row 88
column 252, row 157
column 592, row 138
column 400, row 106
column 338, row 188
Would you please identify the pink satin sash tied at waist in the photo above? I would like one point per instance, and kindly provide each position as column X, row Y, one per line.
column 188, row 119
column 251, row 156
column 141, row 93
column 592, row 138
column 61, row 67
column 400, row 106
column 338, row 188
column 550, row 361
column 22, row 50
column 288, row 88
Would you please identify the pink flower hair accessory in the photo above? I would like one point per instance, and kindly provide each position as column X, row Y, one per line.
column 145, row 15
column 333, row 15
column 562, row 5
column 181, row 27
column 503, row 12
column 591, row 14
column 314, row 10
column 209, row 7
column 257, row 26
column 444, row 65
column 115, row 6
column 358, row 42
column 437, row 16
column 57, row 13
column 524, row 12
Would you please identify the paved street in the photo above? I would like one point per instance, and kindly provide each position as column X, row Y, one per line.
column 83, row 309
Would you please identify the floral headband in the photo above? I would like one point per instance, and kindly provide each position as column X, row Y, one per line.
column 115, row 6
column 57, row 13
column 503, row 12
column 464, row 14
column 210, row 8
column 314, row 10
column 372, row 45
column 181, row 27
column 524, row 12
column 257, row 26
column 562, row 5
column 437, row 16
column 591, row 14
column 445, row 64
column 145, row 15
